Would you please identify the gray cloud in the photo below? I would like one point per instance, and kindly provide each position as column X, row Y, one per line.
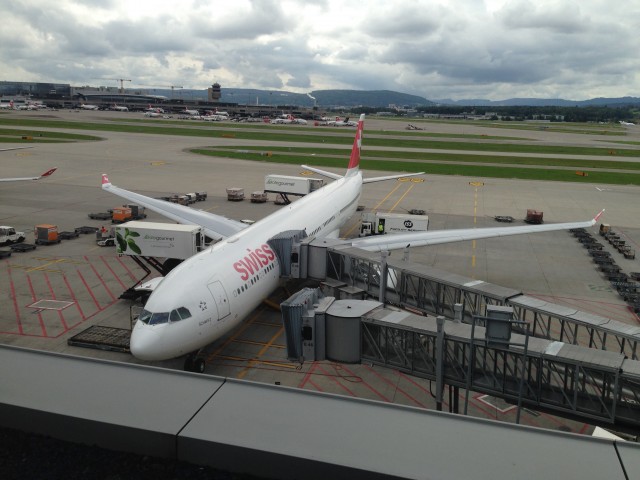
column 455, row 49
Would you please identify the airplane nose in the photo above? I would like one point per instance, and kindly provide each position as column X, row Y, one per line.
column 145, row 344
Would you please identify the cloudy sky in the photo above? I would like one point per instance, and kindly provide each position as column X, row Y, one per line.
column 493, row 49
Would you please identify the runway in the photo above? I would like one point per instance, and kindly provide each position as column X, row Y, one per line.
column 82, row 281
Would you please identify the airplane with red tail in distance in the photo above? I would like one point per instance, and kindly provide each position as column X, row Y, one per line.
column 212, row 292
column 48, row 173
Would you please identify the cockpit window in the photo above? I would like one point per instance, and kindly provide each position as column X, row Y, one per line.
column 153, row 318
column 144, row 317
column 179, row 314
column 159, row 317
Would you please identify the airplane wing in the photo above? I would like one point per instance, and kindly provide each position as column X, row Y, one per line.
column 335, row 176
column 215, row 226
column 419, row 239
column 23, row 179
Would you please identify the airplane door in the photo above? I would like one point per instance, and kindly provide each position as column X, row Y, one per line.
column 220, row 296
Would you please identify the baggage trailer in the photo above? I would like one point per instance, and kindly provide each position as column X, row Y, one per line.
column 534, row 217
column 46, row 234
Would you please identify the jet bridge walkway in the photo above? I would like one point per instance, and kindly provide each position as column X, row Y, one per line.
column 577, row 364
column 591, row 385
column 431, row 291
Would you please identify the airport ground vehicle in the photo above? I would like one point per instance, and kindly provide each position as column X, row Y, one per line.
column 533, row 217
column 162, row 240
column 377, row 223
column 127, row 213
column 46, row 234
column 9, row 235
column 291, row 185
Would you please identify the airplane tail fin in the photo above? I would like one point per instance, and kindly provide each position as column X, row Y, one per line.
column 354, row 160
column 48, row 173
column 105, row 181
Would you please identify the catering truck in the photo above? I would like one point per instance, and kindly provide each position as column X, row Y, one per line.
column 162, row 240
column 377, row 223
column 291, row 185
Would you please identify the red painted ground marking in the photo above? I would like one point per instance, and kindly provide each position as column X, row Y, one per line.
column 89, row 290
column 113, row 273
column 396, row 387
column 65, row 327
column 33, row 297
column 15, row 301
column 73, row 297
column 335, row 378
column 100, row 278
column 129, row 272
column 411, row 380
column 368, row 386
column 307, row 377
column 315, row 385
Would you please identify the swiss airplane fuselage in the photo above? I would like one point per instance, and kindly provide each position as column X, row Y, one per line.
column 220, row 286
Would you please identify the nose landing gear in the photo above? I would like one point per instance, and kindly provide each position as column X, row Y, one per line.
column 194, row 363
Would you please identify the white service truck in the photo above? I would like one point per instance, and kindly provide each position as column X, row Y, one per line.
column 8, row 236
column 377, row 223
column 162, row 240
column 291, row 185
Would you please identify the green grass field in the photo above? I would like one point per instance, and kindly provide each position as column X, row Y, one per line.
column 411, row 151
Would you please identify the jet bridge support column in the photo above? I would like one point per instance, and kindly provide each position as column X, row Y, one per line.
column 383, row 275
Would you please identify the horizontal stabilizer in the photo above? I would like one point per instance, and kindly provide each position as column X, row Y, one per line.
column 390, row 177
column 335, row 176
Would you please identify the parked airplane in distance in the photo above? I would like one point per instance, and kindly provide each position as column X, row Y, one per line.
column 627, row 124
column 86, row 106
column 7, row 105
column 210, row 293
column 119, row 108
column 193, row 113
column 48, row 173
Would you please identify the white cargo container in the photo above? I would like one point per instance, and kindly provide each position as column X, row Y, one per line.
column 162, row 240
column 291, row 185
column 376, row 223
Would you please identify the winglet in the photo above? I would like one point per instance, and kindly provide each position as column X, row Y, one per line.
column 48, row 173
column 105, row 181
column 354, row 160
column 597, row 217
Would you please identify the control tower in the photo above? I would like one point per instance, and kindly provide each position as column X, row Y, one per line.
column 214, row 92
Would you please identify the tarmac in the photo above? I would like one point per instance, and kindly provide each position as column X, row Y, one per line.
column 56, row 291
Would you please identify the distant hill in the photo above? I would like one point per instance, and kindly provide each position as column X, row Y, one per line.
column 542, row 102
column 374, row 99
column 321, row 98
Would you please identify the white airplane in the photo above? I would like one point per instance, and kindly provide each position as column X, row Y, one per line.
column 48, row 173
column 7, row 105
column 627, row 124
column 154, row 109
column 210, row 293
column 119, row 108
column 86, row 106
column 193, row 113
column 338, row 122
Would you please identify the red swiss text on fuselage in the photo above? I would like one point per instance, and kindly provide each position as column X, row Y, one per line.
column 254, row 261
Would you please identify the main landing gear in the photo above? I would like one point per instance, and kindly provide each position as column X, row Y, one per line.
column 194, row 363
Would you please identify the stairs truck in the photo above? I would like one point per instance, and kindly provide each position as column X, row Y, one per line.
column 377, row 223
